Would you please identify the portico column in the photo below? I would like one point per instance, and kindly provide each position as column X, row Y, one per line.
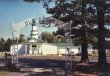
column 30, row 49
column 25, row 49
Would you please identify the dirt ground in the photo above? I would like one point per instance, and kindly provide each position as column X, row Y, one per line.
column 90, row 70
column 54, row 66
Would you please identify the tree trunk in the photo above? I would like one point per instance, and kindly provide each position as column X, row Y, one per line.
column 84, row 44
column 101, row 38
column 84, row 53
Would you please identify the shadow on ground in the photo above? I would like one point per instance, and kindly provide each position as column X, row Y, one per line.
column 90, row 69
column 57, row 68
column 46, row 67
column 50, row 67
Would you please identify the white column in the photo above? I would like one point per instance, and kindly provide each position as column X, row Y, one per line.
column 30, row 49
column 25, row 48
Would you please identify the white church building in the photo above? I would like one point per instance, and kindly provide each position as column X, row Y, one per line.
column 33, row 46
column 42, row 48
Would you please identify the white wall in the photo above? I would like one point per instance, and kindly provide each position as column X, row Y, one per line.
column 47, row 49
column 64, row 50
column 21, row 49
column 61, row 51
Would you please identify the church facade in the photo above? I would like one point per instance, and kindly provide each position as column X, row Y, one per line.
column 34, row 46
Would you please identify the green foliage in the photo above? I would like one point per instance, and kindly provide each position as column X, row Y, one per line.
column 83, row 12
column 32, row 0
column 87, row 13
column 48, row 37
column 7, row 45
column 22, row 38
column 2, row 43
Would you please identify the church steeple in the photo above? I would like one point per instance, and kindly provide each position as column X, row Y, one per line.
column 34, row 33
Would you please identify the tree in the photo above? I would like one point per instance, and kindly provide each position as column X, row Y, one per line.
column 83, row 12
column 78, row 12
column 7, row 44
column 2, row 42
column 107, row 36
column 22, row 38
column 60, row 35
column 101, row 38
column 48, row 37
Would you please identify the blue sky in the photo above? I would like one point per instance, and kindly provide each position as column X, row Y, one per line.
column 18, row 10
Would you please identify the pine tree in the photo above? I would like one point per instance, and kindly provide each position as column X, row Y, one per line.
column 87, row 13
column 7, row 44
column 2, row 43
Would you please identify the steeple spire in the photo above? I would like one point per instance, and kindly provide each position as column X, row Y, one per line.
column 34, row 33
